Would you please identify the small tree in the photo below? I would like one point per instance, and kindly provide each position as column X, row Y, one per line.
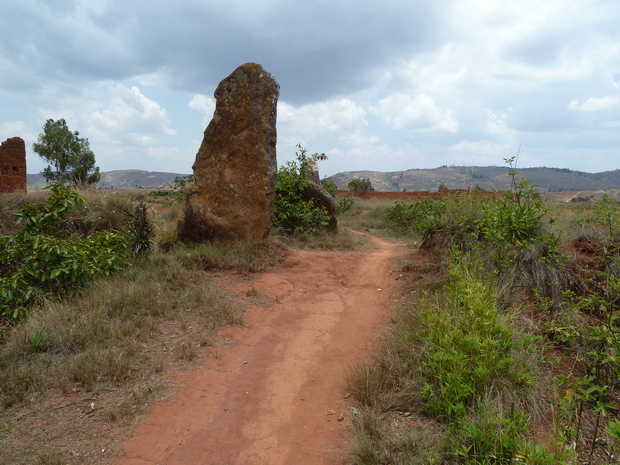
column 69, row 156
column 361, row 185
column 366, row 185
column 354, row 185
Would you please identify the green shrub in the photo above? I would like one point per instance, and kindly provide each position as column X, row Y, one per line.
column 42, row 258
column 343, row 204
column 439, row 223
column 515, row 221
column 139, row 231
column 293, row 214
column 469, row 346
column 410, row 217
column 490, row 437
column 330, row 187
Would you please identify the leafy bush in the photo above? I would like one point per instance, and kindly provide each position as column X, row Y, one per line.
column 293, row 214
column 414, row 217
column 439, row 223
column 343, row 204
column 469, row 345
column 330, row 187
column 43, row 258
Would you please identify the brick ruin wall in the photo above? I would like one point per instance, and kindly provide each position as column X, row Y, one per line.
column 416, row 195
column 13, row 165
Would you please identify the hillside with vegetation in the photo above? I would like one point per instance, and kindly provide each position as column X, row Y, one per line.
column 489, row 178
column 454, row 177
column 122, row 179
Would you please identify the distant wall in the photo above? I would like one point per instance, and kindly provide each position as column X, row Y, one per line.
column 417, row 195
column 13, row 165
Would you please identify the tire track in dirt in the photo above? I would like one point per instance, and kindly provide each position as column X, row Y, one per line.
column 276, row 396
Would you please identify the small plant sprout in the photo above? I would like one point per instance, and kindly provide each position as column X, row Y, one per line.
column 37, row 341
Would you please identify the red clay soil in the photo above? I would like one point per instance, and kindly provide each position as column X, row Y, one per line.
column 277, row 395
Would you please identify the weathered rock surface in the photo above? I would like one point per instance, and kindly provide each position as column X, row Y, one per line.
column 13, row 165
column 235, row 169
column 315, row 191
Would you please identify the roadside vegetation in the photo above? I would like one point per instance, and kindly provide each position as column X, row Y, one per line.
column 99, row 300
column 505, row 349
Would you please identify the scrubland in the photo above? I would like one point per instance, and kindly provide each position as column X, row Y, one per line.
column 504, row 347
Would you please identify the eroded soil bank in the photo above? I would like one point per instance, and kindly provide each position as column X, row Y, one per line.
column 276, row 396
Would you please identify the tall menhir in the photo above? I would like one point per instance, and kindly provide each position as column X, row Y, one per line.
column 235, row 169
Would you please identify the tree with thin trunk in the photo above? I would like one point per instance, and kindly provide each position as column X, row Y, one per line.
column 69, row 157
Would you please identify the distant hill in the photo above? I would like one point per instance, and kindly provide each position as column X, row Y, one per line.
column 122, row 179
column 488, row 178
column 452, row 177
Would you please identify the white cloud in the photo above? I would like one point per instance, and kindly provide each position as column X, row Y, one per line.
column 479, row 153
column 375, row 157
column 16, row 129
column 203, row 104
column 402, row 111
column 339, row 120
column 129, row 117
column 497, row 126
column 595, row 103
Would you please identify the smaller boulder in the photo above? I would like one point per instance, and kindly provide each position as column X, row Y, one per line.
column 316, row 192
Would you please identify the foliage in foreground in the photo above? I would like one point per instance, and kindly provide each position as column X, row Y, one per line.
column 458, row 363
column 293, row 214
column 43, row 259
column 468, row 363
column 469, row 347
column 471, row 352
column 116, row 337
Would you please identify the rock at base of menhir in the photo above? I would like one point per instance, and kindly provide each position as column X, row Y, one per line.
column 316, row 192
column 235, row 169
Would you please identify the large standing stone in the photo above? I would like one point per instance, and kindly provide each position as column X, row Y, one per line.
column 13, row 165
column 235, row 169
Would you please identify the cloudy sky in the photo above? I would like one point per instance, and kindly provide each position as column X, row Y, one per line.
column 383, row 85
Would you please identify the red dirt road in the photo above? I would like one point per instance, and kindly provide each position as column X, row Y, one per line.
column 277, row 396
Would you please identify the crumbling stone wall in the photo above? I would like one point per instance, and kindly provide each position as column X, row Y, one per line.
column 13, row 165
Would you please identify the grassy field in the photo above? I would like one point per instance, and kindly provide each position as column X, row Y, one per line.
column 503, row 350
column 111, row 342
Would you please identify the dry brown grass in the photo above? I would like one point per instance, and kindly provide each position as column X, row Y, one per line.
column 100, row 358
column 532, row 296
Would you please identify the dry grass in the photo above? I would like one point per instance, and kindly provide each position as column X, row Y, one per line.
column 532, row 299
column 100, row 337
column 393, row 438
column 10, row 204
column 113, row 344
column 76, row 372
column 342, row 239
